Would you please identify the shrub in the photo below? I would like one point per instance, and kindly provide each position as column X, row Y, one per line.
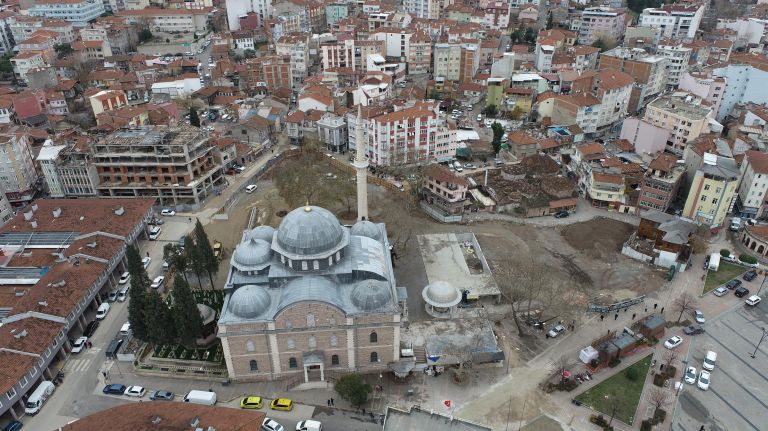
column 658, row 416
column 646, row 425
column 748, row 259
column 632, row 374
column 598, row 420
column 670, row 371
column 568, row 385
column 659, row 380
column 614, row 362
column 725, row 252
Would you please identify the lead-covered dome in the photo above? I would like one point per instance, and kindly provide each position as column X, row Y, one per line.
column 309, row 231
column 441, row 294
column 367, row 229
column 370, row 294
column 251, row 255
column 264, row 233
column 249, row 301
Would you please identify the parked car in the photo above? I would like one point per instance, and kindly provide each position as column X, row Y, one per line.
column 750, row 275
column 161, row 395
column 250, row 188
column 720, row 291
column 709, row 360
column 135, row 391
column 741, row 292
column 102, row 311
column 168, row 212
column 271, row 425
column 13, row 426
column 281, row 404
column 754, row 300
column 693, row 330
column 91, row 328
column 146, row 261
column 704, row 380
column 114, row 389
column 673, row 342
column 562, row 214
column 706, row 262
column 699, row 316
column 554, row 332
column 79, row 344
column 251, row 402
column 124, row 278
column 690, row 375
column 158, row 282
column 733, row 284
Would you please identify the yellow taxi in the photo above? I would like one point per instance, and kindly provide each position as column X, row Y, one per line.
column 281, row 404
column 251, row 402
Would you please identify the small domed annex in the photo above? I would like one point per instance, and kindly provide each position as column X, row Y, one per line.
column 441, row 294
column 251, row 255
column 264, row 233
column 249, row 301
column 370, row 294
column 367, row 229
column 309, row 231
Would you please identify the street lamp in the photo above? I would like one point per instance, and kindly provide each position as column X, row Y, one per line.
column 762, row 337
column 765, row 277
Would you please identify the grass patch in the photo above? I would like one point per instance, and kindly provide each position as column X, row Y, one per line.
column 725, row 272
column 629, row 390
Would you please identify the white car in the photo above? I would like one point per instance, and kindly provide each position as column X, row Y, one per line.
column 158, row 282
column 690, row 375
column 754, row 300
column 704, row 380
column 146, row 261
column 699, row 315
column 135, row 391
column 250, row 188
column 673, row 342
column 709, row 360
column 124, row 278
column 79, row 344
column 271, row 425
column 309, row 425
column 168, row 212
column 554, row 332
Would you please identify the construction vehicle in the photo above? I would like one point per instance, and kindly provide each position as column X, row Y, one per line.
column 217, row 251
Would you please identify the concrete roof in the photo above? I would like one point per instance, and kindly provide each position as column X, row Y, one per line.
column 416, row 419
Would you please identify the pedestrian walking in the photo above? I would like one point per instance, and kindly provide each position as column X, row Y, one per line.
column 646, row 308
column 147, row 254
column 655, row 305
column 662, row 310
column 633, row 316
column 602, row 316
column 332, row 403
column 616, row 317
column 328, row 402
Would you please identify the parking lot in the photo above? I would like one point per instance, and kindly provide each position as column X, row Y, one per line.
column 737, row 398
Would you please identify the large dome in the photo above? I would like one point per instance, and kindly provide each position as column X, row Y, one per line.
column 370, row 294
column 251, row 254
column 249, row 301
column 264, row 232
column 309, row 231
column 441, row 294
column 366, row 228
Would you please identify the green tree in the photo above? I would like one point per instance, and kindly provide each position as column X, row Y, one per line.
column 196, row 261
column 5, row 63
column 517, row 113
column 194, row 119
column 138, row 294
column 550, row 22
column 498, row 132
column 176, row 256
column 185, row 312
column 604, row 43
column 353, row 388
column 63, row 49
column 203, row 246
column 249, row 53
column 491, row 111
column 161, row 328
column 530, row 35
column 145, row 35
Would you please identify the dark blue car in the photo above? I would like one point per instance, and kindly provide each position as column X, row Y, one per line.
column 115, row 389
column 13, row 426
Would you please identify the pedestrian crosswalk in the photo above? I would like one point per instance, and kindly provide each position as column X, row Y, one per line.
column 78, row 365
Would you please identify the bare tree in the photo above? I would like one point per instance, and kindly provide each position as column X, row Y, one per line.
column 658, row 397
column 669, row 357
column 686, row 302
column 561, row 365
column 616, row 399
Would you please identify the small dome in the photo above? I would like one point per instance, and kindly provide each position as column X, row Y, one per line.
column 309, row 231
column 250, row 254
column 249, row 301
column 206, row 313
column 441, row 294
column 370, row 294
column 264, row 233
column 367, row 229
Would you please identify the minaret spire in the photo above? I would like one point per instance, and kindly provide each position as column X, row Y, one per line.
column 361, row 165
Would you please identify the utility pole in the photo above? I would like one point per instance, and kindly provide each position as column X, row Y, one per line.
column 762, row 337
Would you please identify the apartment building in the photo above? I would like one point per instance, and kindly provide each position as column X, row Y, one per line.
column 599, row 106
column 340, row 53
column 18, row 175
column 92, row 50
column 296, row 47
column 7, row 42
column 660, row 183
column 580, row 109
column 445, row 189
column 79, row 12
column 410, row 135
column 169, row 20
column 712, row 191
column 710, row 88
column 419, row 58
column 26, row 61
column 240, row 8
column 676, row 21
column 752, row 200
column 496, row 15
column 544, row 55
column 599, row 22
column 744, row 83
column 648, row 140
column 396, row 42
column 457, row 61
column 749, row 30
column 107, row 100
column 68, row 170
column 648, row 71
column 365, row 49
column 332, row 131
column 606, row 190
column 336, row 12
column 678, row 56
column 682, row 115
column 613, row 88
column 426, row 9
column 174, row 165
column 6, row 211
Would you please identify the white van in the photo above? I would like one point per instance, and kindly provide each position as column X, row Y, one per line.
column 122, row 294
column 154, row 232
column 309, row 425
column 101, row 313
column 200, row 397
column 250, row 188
column 125, row 329
column 38, row 398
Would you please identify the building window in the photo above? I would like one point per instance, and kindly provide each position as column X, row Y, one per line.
column 249, row 346
column 335, row 360
column 254, row 365
column 290, row 343
column 315, row 265
column 374, row 337
column 374, row 357
column 288, row 324
column 292, row 363
column 334, row 340
column 312, row 341
column 310, row 320
column 304, row 265
column 331, row 320
column 11, row 393
column 706, row 187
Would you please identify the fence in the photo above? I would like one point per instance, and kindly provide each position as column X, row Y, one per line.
column 439, row 215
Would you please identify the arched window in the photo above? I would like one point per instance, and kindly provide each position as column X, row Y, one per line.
column 289, row 342
column 292, row 363
column 332, row 321
column 304, row 265
column 334, row 340
column 249, row 346
column 254, row 365
column 374, row 337
column 315, row 265
column 310, row 320
column 335, row 360
column 288, row 324
column 312, row 342
column 374, row 357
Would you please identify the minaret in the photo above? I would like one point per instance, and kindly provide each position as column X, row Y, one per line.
column 361, row 164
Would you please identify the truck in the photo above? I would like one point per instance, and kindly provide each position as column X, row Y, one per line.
column 714, row 261
column 217, row 249
column 200, row 397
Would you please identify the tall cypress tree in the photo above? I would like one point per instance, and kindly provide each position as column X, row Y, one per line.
column 189, row 324
column 194, row 119
column 160, row 326
column 205, row 252
column 137, row 306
